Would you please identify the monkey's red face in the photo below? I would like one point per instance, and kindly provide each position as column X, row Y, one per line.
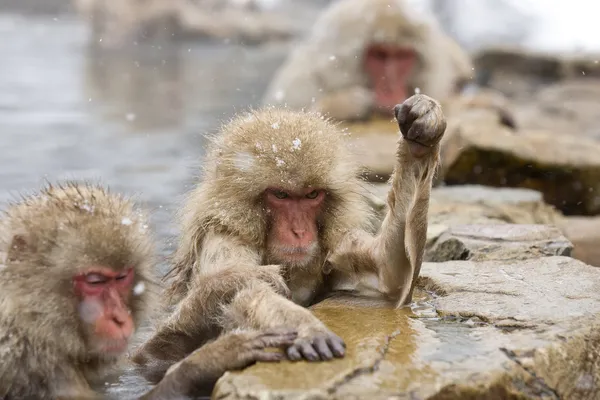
column 293, row 235
column 104, row 297
column 389, row 69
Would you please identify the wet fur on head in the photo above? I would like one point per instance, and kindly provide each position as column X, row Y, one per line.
column 47, row 238
column 261, row 149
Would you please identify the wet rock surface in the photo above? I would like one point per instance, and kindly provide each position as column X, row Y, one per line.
column 487, row 330
column 498, row 242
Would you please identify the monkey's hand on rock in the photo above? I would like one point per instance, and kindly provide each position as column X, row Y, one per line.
column 316, row 344
column 197, row 373
column 422, row 124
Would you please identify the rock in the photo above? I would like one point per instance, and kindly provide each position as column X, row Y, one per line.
column 474, row 204
column 376, row 154
column 519, row 72
column 565, row 168
column 584, row 232
column 567, row 107
column 498, row 242
column 506, row 330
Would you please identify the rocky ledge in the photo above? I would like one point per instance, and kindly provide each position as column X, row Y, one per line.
column 511, row 317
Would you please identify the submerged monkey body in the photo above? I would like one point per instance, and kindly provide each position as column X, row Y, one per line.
column 281, row 219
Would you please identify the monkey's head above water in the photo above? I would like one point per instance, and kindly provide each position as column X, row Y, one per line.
column 281, row 176
column 78, row 267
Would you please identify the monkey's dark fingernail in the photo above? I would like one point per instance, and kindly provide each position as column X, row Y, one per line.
column 293, row 353
column 323, row 349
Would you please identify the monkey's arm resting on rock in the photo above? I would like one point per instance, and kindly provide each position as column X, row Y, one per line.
column 197, row 373
column 233, row 291
column 197, row 318
column 390, row 262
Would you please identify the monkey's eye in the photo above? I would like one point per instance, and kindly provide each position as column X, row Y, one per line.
column 313, row 194
column 95, row 279
column 122, row 276
column 280, row 194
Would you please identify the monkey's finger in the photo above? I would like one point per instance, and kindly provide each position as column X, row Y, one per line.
column 412, row 109
column 274, row 341
column 267, row 356
column 278, row 332
column 337, row 346
column 309, row 352
column 402, row 116
column 293, row 353
column 323, row 349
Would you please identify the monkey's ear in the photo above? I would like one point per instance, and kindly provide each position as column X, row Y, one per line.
column 18, row 249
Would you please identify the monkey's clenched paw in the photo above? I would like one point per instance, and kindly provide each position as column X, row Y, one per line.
column 317, row 346
column 421, row 122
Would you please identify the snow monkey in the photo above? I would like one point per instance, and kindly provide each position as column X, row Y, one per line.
column 76, row 278
column 280, row 220
column 364, row 56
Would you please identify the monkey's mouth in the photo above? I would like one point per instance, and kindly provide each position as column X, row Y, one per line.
column 112, row 347
column 296, row 255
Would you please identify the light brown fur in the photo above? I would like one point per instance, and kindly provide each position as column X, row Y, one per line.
column 45, row 239
column 45, row 351
column 325, row 73
column 222, row 252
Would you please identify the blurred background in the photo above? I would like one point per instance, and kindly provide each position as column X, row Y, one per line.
column 123, row 92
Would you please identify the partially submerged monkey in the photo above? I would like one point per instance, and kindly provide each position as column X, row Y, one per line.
column 365, row 56
column 279, row 198
column 76, row 279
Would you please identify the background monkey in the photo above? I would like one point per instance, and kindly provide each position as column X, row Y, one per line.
column 76, row 279
column 280, row 197
column 365, row 56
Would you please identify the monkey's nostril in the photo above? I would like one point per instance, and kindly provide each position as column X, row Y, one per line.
column 299, row 233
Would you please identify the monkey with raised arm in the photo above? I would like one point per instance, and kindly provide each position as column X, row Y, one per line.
column 76, row 279
column 280, row 197
column 364, row 56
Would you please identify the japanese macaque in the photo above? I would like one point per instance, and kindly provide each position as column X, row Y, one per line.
column 76, row 279
column 280, row 220
column 365, row 56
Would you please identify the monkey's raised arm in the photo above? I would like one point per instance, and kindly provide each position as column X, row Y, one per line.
column 390, row 262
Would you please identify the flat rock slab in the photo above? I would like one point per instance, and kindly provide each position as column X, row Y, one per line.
column 498, row 242
column 565, row 168
column 374, row 145
column 475, row 204
column 507, row 330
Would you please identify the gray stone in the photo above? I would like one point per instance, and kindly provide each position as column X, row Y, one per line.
column 498, row 242
column 506, row 330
